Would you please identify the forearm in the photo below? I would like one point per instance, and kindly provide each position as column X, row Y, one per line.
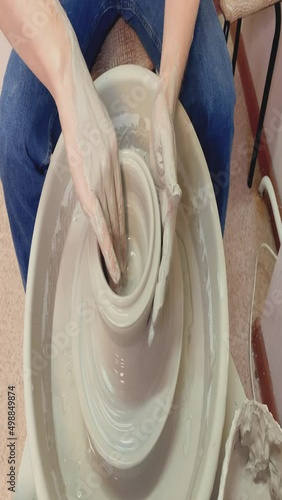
column 39, row 32
column 179, row 24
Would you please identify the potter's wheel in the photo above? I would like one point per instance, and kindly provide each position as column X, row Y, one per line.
column 123, row 383
column 65, row 464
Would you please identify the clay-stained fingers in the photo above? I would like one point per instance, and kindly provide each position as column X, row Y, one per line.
column 163, row 276
column 112, row 203
column 110, row 208
column 120, row 207
column 167, row 249
column 162, row 147
column 115, row 203
column 99, row 224
column 168, row 154
column 163, row 154
column 98, row 218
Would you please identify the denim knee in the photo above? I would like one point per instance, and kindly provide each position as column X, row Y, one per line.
column 27, row 113
column 22, row 188
column 208, row 96
column 216, row 132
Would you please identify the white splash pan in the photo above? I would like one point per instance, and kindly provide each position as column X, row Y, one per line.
column 184, row 460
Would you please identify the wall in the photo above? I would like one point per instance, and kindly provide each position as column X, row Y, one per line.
column 271, row 330
column 5, row 50
column 257, row 33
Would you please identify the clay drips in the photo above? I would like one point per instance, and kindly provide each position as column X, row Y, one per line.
column 252, row 467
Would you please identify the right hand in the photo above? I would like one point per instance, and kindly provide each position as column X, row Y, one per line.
column 164, row 171
column 92, row 152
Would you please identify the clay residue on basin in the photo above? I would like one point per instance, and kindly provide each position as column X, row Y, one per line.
column 252, row 466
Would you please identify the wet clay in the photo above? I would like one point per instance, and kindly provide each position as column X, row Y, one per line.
column 252, row 467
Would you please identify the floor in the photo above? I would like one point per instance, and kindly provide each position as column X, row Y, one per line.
column 247, row 226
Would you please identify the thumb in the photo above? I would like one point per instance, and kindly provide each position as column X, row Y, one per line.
column 165, row 265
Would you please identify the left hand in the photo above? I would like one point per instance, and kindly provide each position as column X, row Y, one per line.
column 163, row 167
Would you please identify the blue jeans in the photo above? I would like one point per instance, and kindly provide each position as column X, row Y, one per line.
column 29, row 124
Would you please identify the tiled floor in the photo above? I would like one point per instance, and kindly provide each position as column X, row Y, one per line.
column 11, row 335
column 247, row 226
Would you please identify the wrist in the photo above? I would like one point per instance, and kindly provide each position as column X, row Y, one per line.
column 170, row 84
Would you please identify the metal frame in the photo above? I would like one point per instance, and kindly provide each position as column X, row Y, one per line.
column 269, row 74
column 226, row 28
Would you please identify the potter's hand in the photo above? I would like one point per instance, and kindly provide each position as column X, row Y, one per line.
column 179, row 22
column 53, row 54
column 163, row 165
column 92, row 151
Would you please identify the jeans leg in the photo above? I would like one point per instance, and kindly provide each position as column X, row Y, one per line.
column 209, row 94
column 207, row 91
column 29, row 124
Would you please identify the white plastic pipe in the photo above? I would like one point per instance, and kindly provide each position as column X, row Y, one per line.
column 266, row 184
